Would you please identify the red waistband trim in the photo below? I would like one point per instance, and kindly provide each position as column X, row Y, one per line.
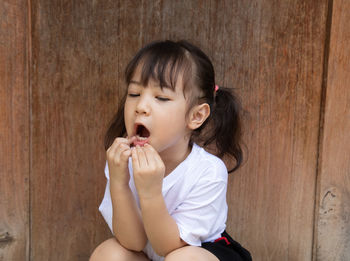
column 223, row 238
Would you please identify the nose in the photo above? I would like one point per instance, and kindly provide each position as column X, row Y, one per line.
column 143, row 106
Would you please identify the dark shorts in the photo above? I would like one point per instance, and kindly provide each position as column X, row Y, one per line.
column 225, row 248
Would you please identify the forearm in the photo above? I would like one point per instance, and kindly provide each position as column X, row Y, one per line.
column 161, row 229
column 127, row 223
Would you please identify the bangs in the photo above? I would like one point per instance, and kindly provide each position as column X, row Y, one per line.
column 161, row 62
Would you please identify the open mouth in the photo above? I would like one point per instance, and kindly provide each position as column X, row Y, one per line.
column 141, row 131
column 142, row 134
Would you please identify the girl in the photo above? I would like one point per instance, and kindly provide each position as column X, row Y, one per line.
column 165, row 195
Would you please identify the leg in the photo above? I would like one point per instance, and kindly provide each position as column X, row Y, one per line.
column 191, row 253
column 111, row 250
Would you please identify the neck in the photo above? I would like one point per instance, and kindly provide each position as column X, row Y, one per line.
column 172, row 157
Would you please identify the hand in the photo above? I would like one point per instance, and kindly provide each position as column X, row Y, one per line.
column 117, row 157
column 148, row 170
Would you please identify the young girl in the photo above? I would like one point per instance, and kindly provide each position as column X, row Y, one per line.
column 165, row 195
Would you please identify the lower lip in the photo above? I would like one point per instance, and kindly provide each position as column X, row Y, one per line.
column 140, row 142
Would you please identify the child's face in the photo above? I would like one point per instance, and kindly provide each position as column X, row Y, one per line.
column 156, row 116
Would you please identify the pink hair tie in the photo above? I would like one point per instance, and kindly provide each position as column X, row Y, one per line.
column 216, row 88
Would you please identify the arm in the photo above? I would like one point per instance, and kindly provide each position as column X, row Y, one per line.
column 127, row 222
column 161, row 229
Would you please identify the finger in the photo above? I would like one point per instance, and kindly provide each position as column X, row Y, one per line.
column 118, row 153
column 125, row 154
column 131, row 140
column 116, row 143
column 150, row 154
column 123, row 151
column 135, row 159
column 153, row 155
column 150, row 150
column 141, row 156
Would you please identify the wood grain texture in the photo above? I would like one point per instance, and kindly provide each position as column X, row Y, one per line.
column 271, row 51
column 273, row 54
column 333, row 214
column 74, row 74
column 14, row 132
column 80, row 51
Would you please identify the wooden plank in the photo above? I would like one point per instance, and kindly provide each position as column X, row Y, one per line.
column 74, row 72
column 333, row 222
column 273, row 54
column 80, row 50
column 14, row 131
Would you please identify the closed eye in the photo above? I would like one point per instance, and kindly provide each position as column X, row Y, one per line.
column 162, row 98
column 133, row 95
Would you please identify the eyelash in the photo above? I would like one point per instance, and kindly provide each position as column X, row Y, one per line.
column 163, row 99
column 133, row 95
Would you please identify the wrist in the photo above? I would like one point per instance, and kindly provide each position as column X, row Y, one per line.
column 151, row 201
column 117, row 186
column 149, row 193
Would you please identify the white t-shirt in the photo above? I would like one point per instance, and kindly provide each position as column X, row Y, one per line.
column 195, row 196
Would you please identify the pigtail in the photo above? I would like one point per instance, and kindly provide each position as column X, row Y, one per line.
column 226, row 125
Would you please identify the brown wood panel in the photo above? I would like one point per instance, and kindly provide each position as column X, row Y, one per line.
column 80, row 51
column 273, row 53
column 75, row 71
column 14, row 132
column 333, row 213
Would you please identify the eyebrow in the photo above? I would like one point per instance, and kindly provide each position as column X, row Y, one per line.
column 136, row 82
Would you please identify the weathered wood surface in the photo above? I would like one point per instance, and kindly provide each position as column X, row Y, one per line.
column 333, row 212
column 14, row 132
column 275, row 58
column 80, row 50
column 271, row 51
column 74, row 87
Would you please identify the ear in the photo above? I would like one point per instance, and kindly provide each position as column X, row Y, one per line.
column 198, row 114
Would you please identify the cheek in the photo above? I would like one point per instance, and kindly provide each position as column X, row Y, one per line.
column 175, row 120
column 128, row 108
column 127, row 117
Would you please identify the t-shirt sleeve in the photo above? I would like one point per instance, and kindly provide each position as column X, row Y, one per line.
column 106, row 207
column 203, row 213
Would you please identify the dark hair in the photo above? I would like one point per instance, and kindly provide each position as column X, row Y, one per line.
column 163, row 61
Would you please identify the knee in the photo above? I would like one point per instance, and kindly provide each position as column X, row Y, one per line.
column 183, row 253
column 109, row 250
column 192, row 253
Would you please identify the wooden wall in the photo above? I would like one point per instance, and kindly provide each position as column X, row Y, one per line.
column 14, row 131
column 61, row 69
column 332, row 227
